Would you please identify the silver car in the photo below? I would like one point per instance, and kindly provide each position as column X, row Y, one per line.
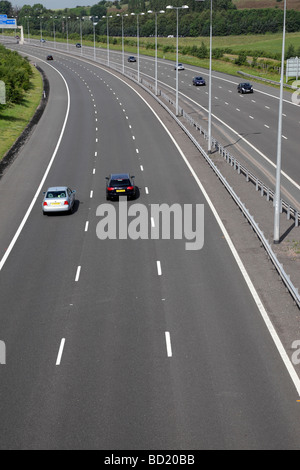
column 58, row 199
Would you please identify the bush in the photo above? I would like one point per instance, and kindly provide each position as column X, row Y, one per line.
column 15, row 71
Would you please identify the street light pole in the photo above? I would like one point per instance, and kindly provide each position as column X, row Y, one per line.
column 27, row 17
column 170, row 7
column 279, row 141
column 155, row 13
column 94, row 31
column 107, row 34
column 53, row 17
column 210, row 73
column 80, row 19
column 123, row 63
column 41, row 29
column 138, row 40
column 67, row 29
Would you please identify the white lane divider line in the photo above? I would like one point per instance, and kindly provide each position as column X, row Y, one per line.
column 159, row 270
column 77, row 274
column 60, row 352
column 86, row 226
column 168, row 343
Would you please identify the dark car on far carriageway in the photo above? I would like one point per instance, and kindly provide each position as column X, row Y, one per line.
column 245, row 88
column 199, row 81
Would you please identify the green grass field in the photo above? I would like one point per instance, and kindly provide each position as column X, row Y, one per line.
column 269, row 42
column 15, row 118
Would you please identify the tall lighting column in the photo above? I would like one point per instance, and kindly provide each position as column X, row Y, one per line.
column 123, row 62
column 210, row 73
column 155, row 13
column 138, row 40
column 67, row 29
column 27, row 17
column 279, row 140
column 107, row 35
column 170, row 7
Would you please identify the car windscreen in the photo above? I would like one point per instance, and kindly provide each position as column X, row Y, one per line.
column 55, row 194
column 120, row 182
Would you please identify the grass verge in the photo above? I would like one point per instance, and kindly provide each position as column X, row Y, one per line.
column 15, row 118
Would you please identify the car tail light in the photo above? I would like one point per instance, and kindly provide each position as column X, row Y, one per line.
column 110, row 189
column 130, row 188
column 45, row 204
column 66, row 203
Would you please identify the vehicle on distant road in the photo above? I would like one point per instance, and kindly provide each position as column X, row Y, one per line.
column 179, row 67
column 58, row 199
column 120, row 184
column 199, row 81
column 131, row 59
column 49, row 57
column 78, row 45
column 245, row 88
column 42, row 40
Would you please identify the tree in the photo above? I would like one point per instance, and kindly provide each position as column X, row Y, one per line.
column 291, row 52
column 98, row 10
column 6, row 8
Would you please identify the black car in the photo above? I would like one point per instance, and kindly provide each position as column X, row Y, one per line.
column 49, row 57
column 199, row 81
column 245, row 88
column 120, row 184
column 131, row 59
column 78, row 45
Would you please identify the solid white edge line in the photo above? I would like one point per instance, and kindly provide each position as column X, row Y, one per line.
column 168, row 343
column 60, row 352
column 39, row 189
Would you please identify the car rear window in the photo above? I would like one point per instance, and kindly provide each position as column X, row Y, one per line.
column 55, row 194
column 120, row 182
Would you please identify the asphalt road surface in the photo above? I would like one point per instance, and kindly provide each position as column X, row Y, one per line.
column 247, row 125
column 125, row 344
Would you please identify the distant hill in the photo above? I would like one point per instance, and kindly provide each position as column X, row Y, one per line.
column 242, row 4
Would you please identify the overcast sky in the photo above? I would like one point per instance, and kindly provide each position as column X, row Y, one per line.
column 53, row 4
